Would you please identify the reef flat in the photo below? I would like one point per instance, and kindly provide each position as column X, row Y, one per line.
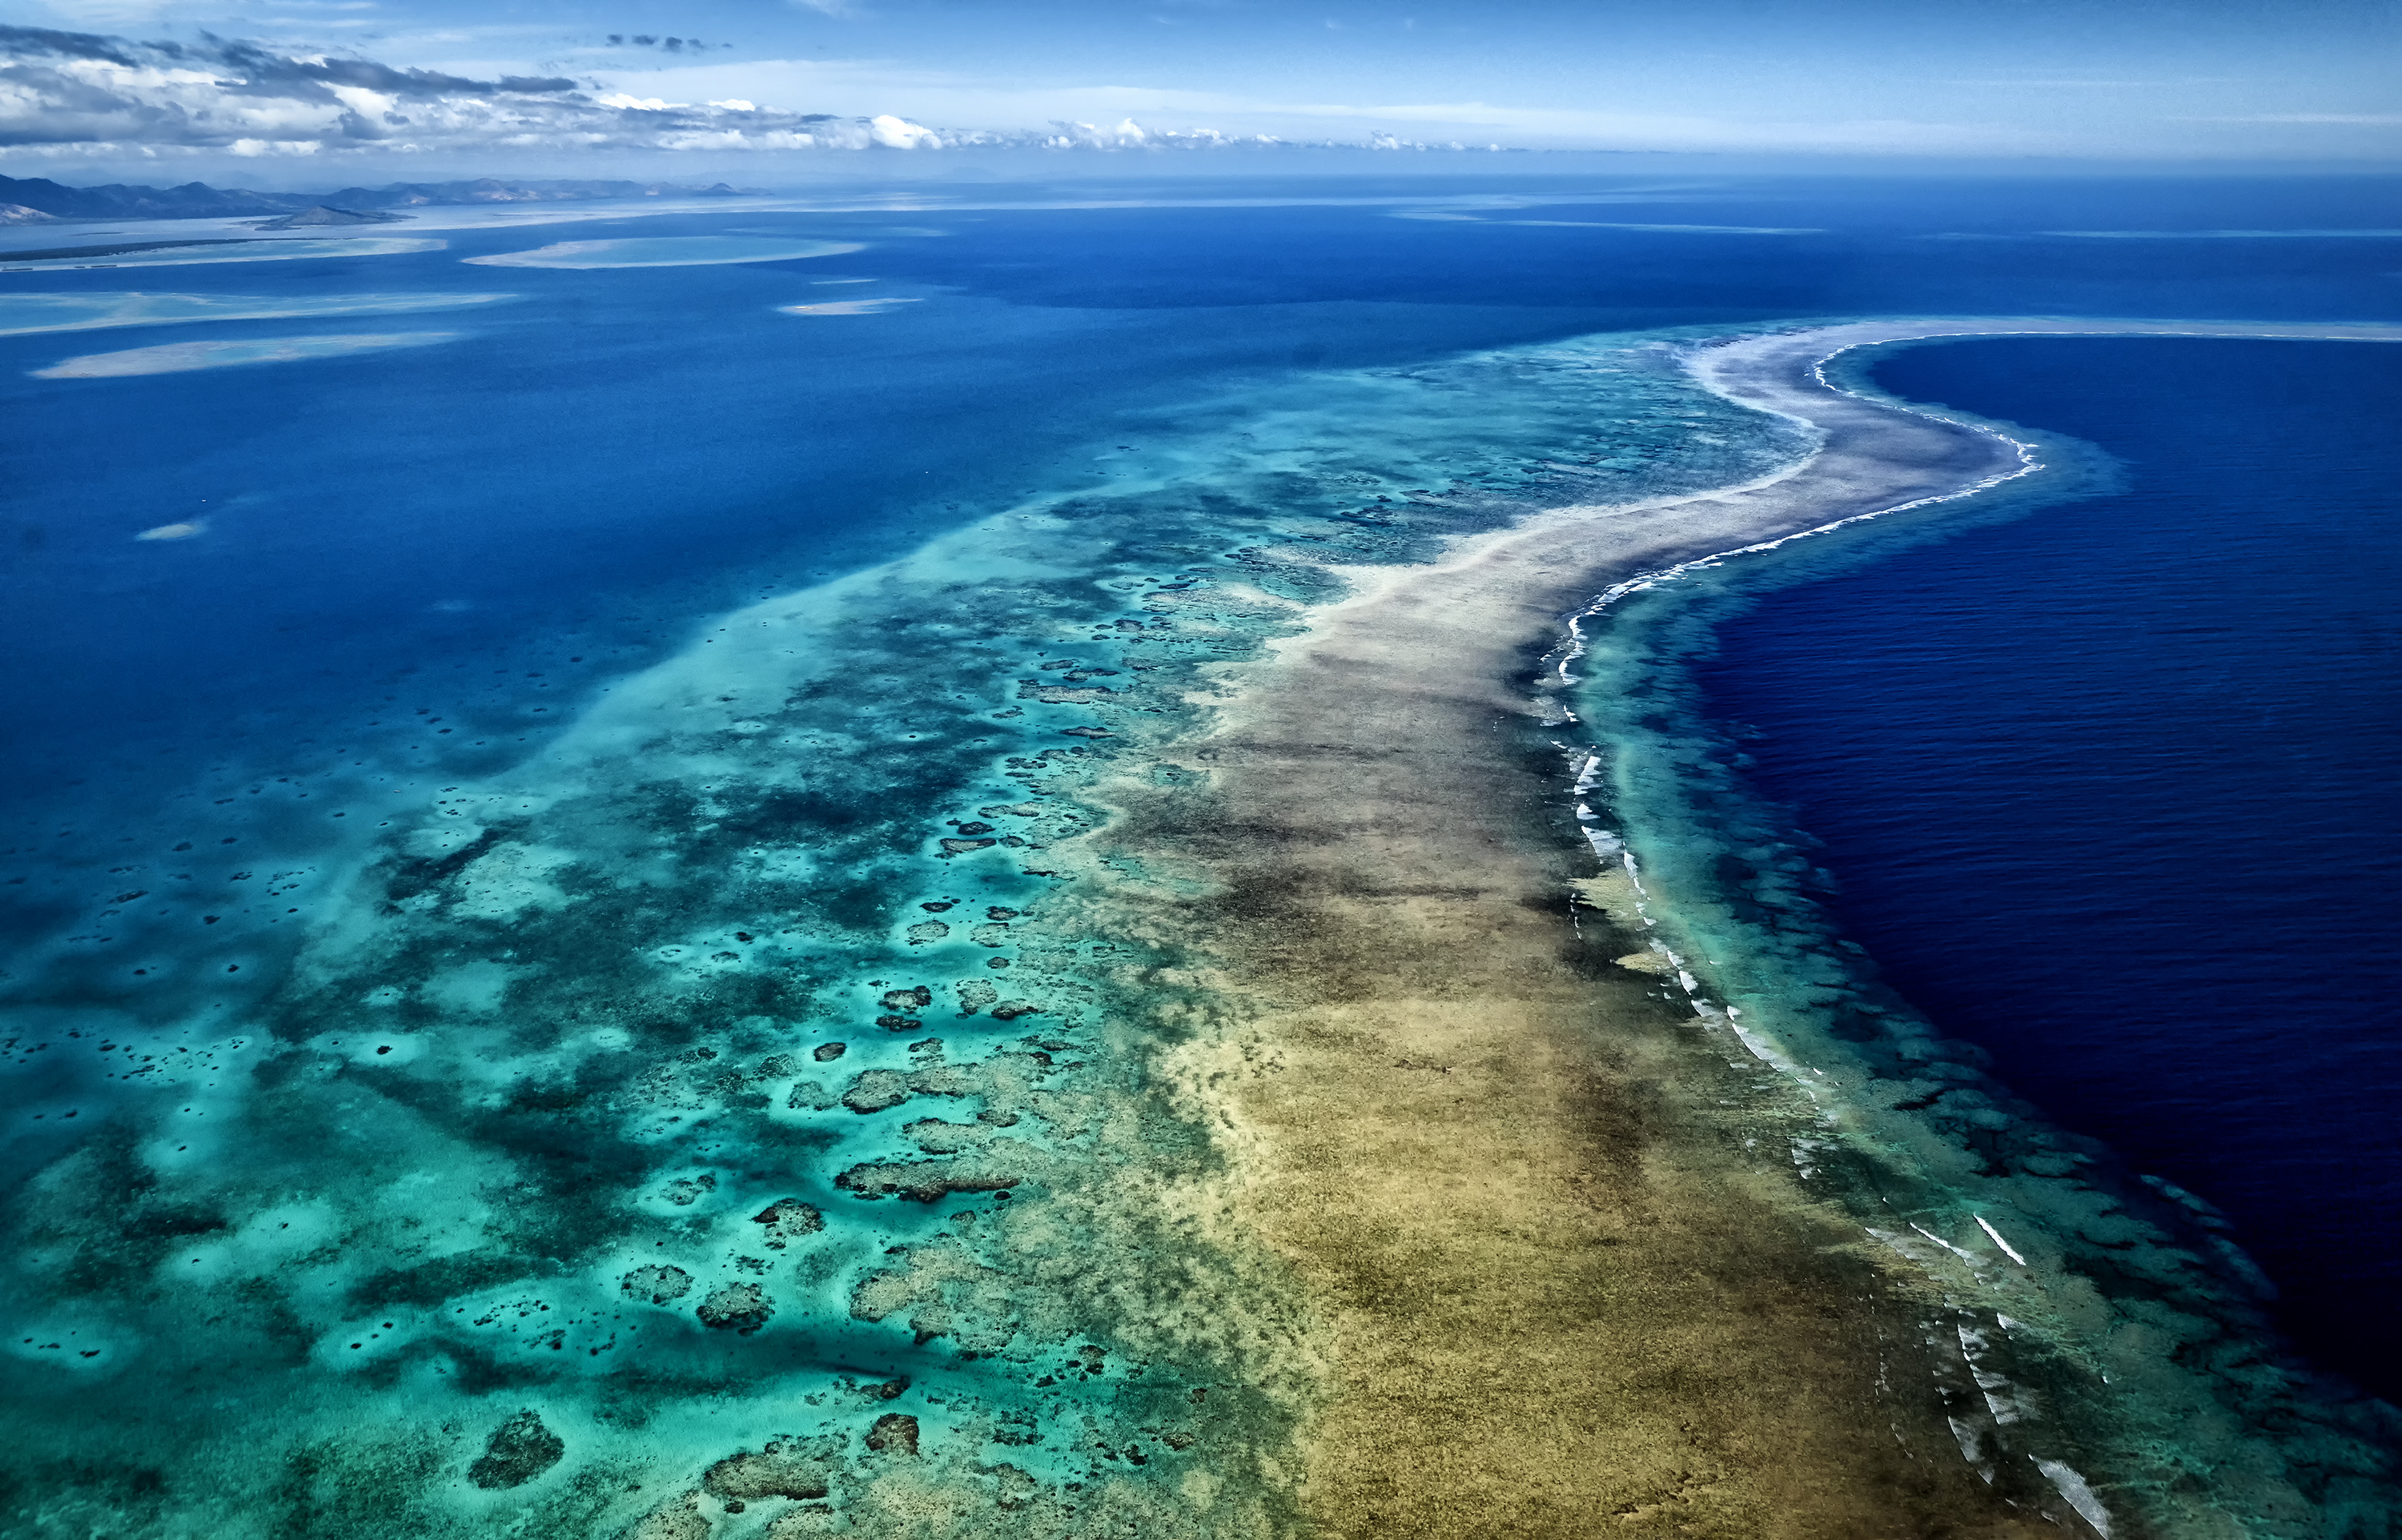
column 1556, row 1208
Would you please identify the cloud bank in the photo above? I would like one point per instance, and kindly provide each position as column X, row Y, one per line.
column 85, row 94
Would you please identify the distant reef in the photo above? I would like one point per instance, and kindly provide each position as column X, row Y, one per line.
column 28, row 199
column 323, row 214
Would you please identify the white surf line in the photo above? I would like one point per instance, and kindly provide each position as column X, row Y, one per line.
column 2007, row 1250
column 2006, row 1404
column 2028, row 464
column 2024, row 452
column 1756, row 1041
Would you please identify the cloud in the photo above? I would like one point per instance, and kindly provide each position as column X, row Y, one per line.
column 667, row 45
column 1066, row 114
column 250, row 69
column 70, row 94
column 67, row 92
column 66, row 89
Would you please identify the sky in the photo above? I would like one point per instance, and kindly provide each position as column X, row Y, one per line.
column 291, row 90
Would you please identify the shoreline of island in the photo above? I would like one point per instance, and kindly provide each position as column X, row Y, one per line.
column 1548, row 1218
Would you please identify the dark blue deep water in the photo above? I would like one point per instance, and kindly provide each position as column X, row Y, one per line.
column 2110, row 790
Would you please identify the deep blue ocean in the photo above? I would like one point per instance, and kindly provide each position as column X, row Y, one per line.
column 499, row 778
column 606, row 459
column 2107, row 789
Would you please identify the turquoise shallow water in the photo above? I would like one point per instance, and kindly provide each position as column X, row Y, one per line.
column 741, row 1068
column 547, row 981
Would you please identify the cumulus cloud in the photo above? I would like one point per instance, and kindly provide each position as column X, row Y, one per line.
column 69, row 92
column 667, row 45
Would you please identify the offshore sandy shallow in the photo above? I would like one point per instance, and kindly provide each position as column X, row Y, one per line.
column 1558, row 1294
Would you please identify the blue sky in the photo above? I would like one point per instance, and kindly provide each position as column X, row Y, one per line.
column 740, row 81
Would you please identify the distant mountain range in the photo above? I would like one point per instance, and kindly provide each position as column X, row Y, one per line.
column 39, row 196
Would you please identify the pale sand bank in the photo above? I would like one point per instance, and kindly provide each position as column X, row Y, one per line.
column 168, row 358
column 666, row 250
column 850, row 307
column 1559, row 1292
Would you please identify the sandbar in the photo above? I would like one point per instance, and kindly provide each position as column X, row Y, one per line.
column 687, row 251
column 169, row 358
column 850, row 306
column 22, row 314
column 194, row 253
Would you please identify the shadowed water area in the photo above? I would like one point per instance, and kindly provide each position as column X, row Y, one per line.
column 566, row 970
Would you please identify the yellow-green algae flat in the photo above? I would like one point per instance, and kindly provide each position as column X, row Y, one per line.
column 1553, row 1220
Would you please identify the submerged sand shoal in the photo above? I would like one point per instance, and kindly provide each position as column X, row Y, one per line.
column 1569, row 1284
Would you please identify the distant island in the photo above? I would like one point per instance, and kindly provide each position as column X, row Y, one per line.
column 27, row 200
